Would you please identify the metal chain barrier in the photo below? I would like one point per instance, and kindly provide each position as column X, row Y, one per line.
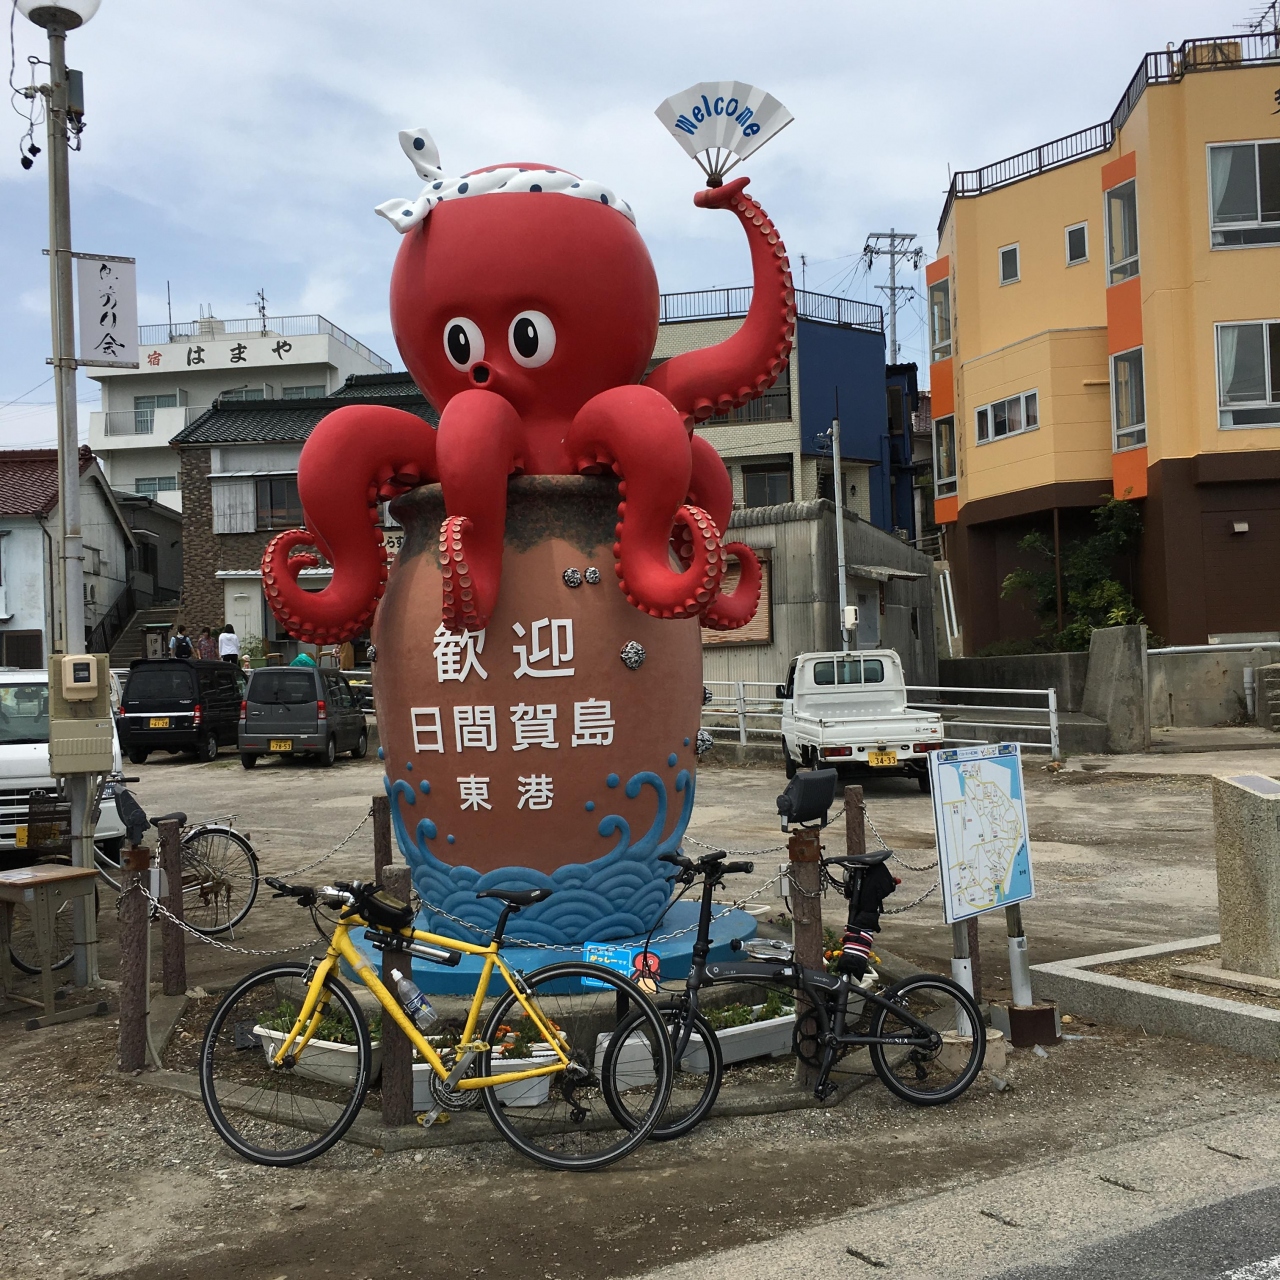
column 324, row 857
column 160, row 909
column 897, row 911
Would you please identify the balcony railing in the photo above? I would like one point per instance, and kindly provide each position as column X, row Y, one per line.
column 727, row 304
column 281, row 326
column 1168, row 66
column 147, row 422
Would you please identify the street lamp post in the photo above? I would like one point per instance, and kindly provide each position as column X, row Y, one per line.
column 842, row 586
column 57, row 20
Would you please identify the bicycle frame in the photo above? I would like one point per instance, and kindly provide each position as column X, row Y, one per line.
column 342, row 948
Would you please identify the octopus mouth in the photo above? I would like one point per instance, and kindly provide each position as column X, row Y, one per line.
column 480, row 374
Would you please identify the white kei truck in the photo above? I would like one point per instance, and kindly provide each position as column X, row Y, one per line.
column 849, row 711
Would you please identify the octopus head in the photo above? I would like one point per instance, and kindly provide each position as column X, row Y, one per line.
column 512, row 286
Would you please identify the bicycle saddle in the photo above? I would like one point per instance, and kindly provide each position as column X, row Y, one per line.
column 179, row 818
column 869, row 859
column 516, row 897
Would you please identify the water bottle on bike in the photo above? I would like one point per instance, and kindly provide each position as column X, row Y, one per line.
column 415, row 1004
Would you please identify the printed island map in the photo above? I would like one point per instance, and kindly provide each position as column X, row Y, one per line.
column 980, row 814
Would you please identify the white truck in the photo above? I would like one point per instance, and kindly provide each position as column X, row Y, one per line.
column 849, row 711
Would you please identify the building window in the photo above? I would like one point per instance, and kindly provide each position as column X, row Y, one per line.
column 1244, row 194
column 1122, row 232
column 279, row 506
column 243, row 393
column 22, row 649
column 766, row 486
column 1129, row 400
column 1010, row 272
column 940, row 320
column 144, row 411
column 1008, row 417
column 944, row 457
column 1077, row 244
column 1249, row 374
column 312, row 392
column 151, row 485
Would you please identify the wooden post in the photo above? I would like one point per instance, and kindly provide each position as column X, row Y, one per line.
column 397, row 1052
column 804, row 849
column 382, row 847
column 855, row 822
column 173, row 941
column 134, row 910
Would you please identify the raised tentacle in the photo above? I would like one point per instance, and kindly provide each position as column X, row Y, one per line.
column 635, row 431
column 727, row 375
column 710, row 487
column 356, row 457
column 480, row 445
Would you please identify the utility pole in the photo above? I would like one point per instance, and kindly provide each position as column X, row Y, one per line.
column 842, row 586
column 893, row 245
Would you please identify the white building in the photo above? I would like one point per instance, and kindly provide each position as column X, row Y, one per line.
column 187, row 368
column 30, row 572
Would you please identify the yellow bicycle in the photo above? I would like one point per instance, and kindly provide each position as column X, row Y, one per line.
column 287, row 1057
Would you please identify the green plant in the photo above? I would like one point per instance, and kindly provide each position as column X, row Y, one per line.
column 336, row 1031
column 1092, row 595
column 741, row 1015
column 253, row 647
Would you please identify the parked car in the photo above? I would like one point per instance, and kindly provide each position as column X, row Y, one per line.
column 24, row 764
column 849, row 710
column 180, row 704
column 300, row 711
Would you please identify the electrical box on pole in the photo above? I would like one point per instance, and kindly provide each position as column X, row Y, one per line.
column 81, row 728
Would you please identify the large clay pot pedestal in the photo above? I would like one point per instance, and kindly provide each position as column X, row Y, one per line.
column 555, row 750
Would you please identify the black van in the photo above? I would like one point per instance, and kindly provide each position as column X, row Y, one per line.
column 301, row 711
column 180, row 704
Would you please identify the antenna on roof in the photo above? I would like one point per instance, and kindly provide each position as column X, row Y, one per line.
column 720, row 123
column 1266, row 21
column 260, row 305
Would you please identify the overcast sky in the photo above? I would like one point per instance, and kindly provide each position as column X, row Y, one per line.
column 238, row 144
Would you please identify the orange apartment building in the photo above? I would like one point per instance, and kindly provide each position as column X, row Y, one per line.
column 1105, row 320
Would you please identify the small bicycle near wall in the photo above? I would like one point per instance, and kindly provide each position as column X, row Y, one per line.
column 287, row 1056
column 924, row 1035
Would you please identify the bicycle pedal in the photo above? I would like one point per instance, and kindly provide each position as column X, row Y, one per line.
column 428, row 1118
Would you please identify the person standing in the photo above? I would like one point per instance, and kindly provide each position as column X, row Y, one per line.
column 180, row 644
column 229, row 644
column 207, row 646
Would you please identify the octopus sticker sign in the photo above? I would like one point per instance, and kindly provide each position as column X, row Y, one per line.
column 538, row 677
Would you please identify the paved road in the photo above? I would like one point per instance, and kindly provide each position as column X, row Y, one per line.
column 1197, row 1203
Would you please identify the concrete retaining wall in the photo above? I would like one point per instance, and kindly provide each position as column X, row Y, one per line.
column 1064, row 672
column 1197, row 690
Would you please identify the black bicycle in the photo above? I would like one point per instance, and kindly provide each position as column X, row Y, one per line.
column 924, row 1035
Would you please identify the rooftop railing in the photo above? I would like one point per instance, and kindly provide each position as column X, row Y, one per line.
column 1168, row 66
column 283, row 326
column 728, row 304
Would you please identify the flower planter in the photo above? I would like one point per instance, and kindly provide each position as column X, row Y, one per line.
column 523, row 1093
column 771, row 1038
column 323, row 1060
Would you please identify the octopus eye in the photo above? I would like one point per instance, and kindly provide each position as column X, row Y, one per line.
column 532, row 338
column 463, row 343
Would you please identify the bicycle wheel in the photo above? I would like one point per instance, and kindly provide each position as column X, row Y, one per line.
column 108, row 867
column 22, row 936
column 219, row 879
column 563, row 1120
column 283, row 1115
column 627, row 1079
column 949, row 1064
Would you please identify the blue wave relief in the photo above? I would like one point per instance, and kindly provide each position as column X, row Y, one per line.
column 616, row 896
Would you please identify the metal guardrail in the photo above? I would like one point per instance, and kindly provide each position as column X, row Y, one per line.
column 284, row 326
column 142, row 422
column 737, row 711
column 727, row 304
column 1167, row 66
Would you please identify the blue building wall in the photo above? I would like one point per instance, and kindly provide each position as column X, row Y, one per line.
column 835, row 358
column 903, row 378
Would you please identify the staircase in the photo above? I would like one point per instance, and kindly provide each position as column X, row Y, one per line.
column 130, row 646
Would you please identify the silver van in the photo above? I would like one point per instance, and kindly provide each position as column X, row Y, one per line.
column 300, row 711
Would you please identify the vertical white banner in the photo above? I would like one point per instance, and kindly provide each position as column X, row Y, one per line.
column 108, row 296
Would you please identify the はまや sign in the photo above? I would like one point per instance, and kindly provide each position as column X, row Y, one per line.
column 108, row 296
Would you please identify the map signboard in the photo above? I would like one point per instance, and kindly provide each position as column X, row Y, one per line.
column 980, row 814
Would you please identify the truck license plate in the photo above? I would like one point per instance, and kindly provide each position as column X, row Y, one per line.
column 879, row 759
column 20, row 836
column 159, row 722
column 281, row 744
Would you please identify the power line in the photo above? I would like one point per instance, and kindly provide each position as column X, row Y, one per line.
column 893, row 245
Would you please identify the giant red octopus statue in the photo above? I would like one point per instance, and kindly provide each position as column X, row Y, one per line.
column 528, row 319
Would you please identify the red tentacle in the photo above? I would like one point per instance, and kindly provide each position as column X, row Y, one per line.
column 728, row 612
column 727, row 375
column 636, row 432
column 355, row 458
